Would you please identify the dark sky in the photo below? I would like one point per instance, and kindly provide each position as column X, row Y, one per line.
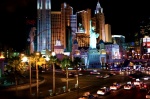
column 123, row 15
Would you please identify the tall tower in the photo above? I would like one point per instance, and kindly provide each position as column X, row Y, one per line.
column 83, row 17
column 43, row 25
column 108, row 33
column 55, row 28
column 100, row 22
column 66, row 30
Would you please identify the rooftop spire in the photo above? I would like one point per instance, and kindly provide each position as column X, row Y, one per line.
column 98, row 5
column 99, row 9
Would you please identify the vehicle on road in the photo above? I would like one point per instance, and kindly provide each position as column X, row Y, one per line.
column 87, row 95
column 94, row 72
column 148, row 95
column 106, row 76
column 128, row 86
column 143, row 86
column 115, row 86
column 146, row 78
column 137, row 82
column 103, row 91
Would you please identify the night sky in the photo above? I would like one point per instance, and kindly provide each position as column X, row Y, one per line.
column 124, row 16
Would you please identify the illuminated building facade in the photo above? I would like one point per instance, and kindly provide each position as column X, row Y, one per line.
column 108, row 33
column 43, row 25
column 58, row 47
column 66, row 29
column 145, row 27
column 63, row 27
column 73, row 27
column 83, row 21
column 120, row 40
column 100, row 22
column 113, row 52
column 83, row 27
column 75, row 48
column 55, row 27
column 146, row 44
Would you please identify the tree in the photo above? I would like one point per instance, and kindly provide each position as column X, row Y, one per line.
column 76, row 62
column 17, row 68
column 65, row 63
column 52, row 61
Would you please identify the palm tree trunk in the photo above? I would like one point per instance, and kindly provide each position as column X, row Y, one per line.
column 77, row 83
column 66, row 78
column 77, row 77
column 53, row 79
column 16, row 82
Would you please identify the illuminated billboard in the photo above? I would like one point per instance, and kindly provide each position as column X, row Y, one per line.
column 115, row 53
column 146, row 42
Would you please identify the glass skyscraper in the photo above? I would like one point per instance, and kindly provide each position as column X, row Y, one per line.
column 43, row 35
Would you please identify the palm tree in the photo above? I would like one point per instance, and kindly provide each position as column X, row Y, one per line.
column 52, row 61
column 17, row 68
column 65, row 63
column 76, row 62
column 36, row 60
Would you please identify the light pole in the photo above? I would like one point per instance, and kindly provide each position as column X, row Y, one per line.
column 25, row 59
column 53, row 61
column 30, row 75
column 37, row 74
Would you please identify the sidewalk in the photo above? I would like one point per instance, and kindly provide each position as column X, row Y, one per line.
column 12, row 87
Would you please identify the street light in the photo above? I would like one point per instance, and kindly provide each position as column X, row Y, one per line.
column 53, row 61
column 37, row 73
column 25, row 59
column 46, row 60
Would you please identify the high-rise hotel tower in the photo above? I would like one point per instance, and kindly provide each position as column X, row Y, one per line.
column 100, row 22
column 43, row 25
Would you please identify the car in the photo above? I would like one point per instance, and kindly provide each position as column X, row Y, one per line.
column 143, row 86
column 99, row 76
column 128, row 86
column 115, row 86
column 146, row 78
column 137, row 82
column 71, row 74
column 103, row 91
column 148, row 95
column 87, row 95
column 79, row 74
column 106, row 76
column 95, row 72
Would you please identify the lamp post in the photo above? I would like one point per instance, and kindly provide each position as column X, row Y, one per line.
column 53, row 61
column 30, row 75
column 25, row 59
column 37, row 74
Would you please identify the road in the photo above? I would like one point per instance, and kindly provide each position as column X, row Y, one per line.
column 119, row 94
column 85, row 83
column 96, row 85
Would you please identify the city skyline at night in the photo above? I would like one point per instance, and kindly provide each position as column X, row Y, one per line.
column 123, row 16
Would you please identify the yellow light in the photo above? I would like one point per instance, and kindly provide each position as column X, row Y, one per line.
column 37, row 53
column 24, row 59
column 53, row 54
